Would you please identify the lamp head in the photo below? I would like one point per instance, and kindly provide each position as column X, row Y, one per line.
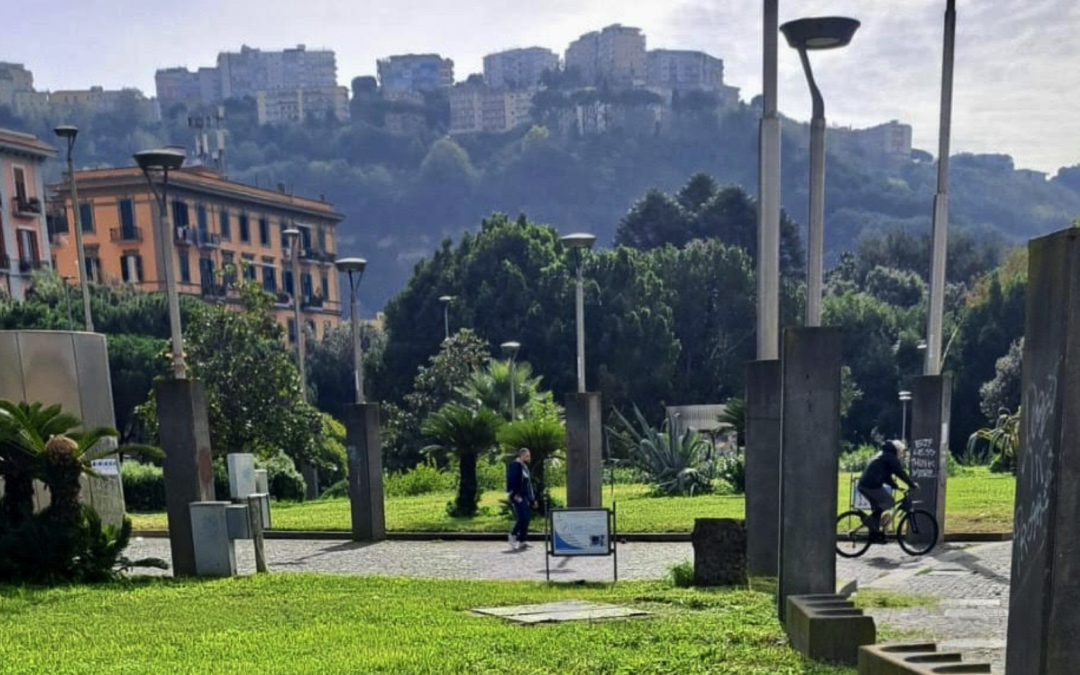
column 446, row 299
column 291, row 233
column 579, row 241
column 510, row 348
column 68, row 131
column 905, row 396
column 823, row 32
column 350, row 265
column 160, row 159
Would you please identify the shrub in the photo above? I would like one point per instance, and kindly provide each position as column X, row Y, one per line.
column 336, row 491
column 676, row 464
column 857, row 460
column 732, row 468
column 681, row 574
column 285, row 482
column 422, row 479
column 144, row 486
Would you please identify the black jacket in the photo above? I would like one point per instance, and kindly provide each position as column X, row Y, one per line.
column 881, row 471
column 518, row 482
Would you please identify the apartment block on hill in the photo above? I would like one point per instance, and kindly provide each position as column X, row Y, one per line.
column 518, row 68
column 414, row 73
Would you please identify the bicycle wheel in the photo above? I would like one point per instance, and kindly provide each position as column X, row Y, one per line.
column 917, row 532
column 852, row 534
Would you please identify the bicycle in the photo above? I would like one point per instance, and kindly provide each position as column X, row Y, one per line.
column 916, row 530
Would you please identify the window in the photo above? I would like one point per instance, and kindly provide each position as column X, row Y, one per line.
column 249, row 268
column 305, row 238
column 264, row 231
column 306, row 288
column 131, row 268
column 269, row 278
column 206, row 273
column 245, row 231
column 93, row 267
column 29, row 253
column 228, row 267
column 226, row 226
column 20, row 183
column 185, row 268
column 292, row 331
column 127, row 218
column 180, row 214
column 322, row 239
column 200, row 215
column 86, row 216
column 287, row 282
column 325, row 287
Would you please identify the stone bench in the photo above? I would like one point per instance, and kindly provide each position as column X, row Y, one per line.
column 828, row 628
column 921, row 658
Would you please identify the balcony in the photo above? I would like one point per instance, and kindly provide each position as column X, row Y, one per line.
column 317, row 255
column 215, row 291
column 26, row 207
column 186, row 236
column 26, row 265
column 126, row 234
column 5, row 263
column 312, row 302
column 282, row 299
column 208, row 239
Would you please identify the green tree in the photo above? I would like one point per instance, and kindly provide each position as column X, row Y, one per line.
column 1003, row 392
column 490, row 388
column 467, row 434
column 330, row 365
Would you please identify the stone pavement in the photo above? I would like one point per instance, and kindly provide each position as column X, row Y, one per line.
column 970, row 581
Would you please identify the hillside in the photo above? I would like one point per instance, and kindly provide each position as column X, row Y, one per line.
column 402, row 194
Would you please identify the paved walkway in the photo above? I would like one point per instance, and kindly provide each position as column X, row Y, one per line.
column 971, row 582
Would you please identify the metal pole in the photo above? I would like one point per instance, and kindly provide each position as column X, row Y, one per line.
column 358, row 355
column 513, row 386
column 934, row 317
column 903, row 421
column 816, row 245
column 446, row 319
column 79, row 248
column 768, row 254
column 67, row 301
column 296, row 316
column 580, row 306
column 179, row 369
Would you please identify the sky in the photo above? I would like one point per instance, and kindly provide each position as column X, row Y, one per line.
column 1017, row 61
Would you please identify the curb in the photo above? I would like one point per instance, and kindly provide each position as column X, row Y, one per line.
column 629, row 537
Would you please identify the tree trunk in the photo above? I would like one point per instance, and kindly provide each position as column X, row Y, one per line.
column 467, row 493
column 17, row 503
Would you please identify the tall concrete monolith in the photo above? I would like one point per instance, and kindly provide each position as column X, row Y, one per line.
column 365, row 472
column 809, row 462
column 928, row 454
column 189, row 476
column 584, row 459
column 763, row 468
column 1043, row 619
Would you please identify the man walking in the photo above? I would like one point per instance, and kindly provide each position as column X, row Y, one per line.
column 520, row 491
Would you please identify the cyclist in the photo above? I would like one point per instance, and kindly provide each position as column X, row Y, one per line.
column 881, row 472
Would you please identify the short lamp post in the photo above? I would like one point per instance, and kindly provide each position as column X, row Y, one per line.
column 905, row 399
column 580, row 243
column 152, row 163
column 805, row 35
column 511, row 350
column 354, row 267
column 446, row 300
column 293, row 236
column 69, row 133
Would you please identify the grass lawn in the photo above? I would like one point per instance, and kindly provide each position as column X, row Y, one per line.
column 977, row 502
column 298, row 624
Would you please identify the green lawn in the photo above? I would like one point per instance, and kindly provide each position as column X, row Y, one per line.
column 977, row 502
column 299, row 624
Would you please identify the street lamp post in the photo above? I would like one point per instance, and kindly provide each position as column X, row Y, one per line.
column 768, row 253
column 293, row 236
column 68, row 133
column 67, row 301
column 446, row 300
column 806, row 35
column 162, row 161
column 580, row 242
column 355, row 267
column 905, row 398
column 511, row 351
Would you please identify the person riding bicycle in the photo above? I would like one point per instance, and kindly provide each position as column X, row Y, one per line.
column 881, row 472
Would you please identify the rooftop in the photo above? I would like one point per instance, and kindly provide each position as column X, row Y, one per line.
column 27, row 143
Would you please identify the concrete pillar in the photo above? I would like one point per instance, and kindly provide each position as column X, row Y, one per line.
column 189, row 476
column 241, row 467
column 809, row 462
column 214, row 551
column 931, row 400
column 1043, row 620
column 365, row 471
column 762, row 468
column 584, row 460
column 262, row 481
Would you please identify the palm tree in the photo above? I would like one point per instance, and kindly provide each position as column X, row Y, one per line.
column 734, row 415
column 490, row 387
column 1003, row 439
column 466, row 433
column 544, row 437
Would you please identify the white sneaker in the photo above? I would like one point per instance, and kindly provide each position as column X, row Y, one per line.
column 513, row 542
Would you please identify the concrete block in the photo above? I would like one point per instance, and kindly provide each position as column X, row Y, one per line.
column 763, row 468
column 236, row 516
column 929, row 451
column 915, row 658
column 214, row 552
column 1045, row 590
column 241, row 475
column 263, row 502
column 365, row 471
column 189, row 477
column 828, row 628
column 810, row 447
column 584, row 443
column 262, row 482
column 719, row 552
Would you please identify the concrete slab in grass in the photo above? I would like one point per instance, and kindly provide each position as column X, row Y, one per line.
column 558, row 612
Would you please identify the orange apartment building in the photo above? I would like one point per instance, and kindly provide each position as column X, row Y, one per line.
column 218, row 225
column 24, row 241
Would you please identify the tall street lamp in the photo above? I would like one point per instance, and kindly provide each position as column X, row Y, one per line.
column 905, row 398
column 511, row 350
column 580, row 243
column 805, row 35
column 67, row 301
column 154, row 162
column 446, row 300
column 293, row 236
column 68, row 132
column 355, row 267
column 768, row 253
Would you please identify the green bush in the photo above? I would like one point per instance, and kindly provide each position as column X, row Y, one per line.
column 732, row 468
column 491, row 474
column 858, row 459
column 676, row 464
column 338, row 490
column 144, row 487
column 420, row 480
column 285, row 482
column 681, row 574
